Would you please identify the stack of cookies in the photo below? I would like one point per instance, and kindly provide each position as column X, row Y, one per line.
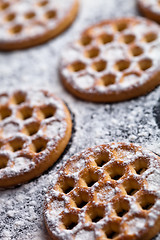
column 109, row 191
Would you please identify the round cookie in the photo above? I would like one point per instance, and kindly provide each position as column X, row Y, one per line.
column 113, row 61
column 27, row 23
column 106, row 192
column 150, row 9
column 35, row 127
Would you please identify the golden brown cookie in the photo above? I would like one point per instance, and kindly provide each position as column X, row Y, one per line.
column 28, row 23
column 150, row 9
column 106, row 192
column 113, row 61
column 35, row 127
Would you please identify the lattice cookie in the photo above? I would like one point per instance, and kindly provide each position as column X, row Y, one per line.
column 28, row 23
column 114, row 60
column 35, row 128
column 106, row 192
column 150, row 8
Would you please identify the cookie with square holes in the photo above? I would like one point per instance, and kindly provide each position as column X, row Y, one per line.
column 150, row 9
column 28, row 23
column 113, row 61
column 107, row 192
column 35, row 127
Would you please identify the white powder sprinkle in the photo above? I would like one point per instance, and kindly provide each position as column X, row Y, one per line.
column 111, row 122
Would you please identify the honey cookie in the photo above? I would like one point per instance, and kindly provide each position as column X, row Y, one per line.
column 113, row 61
column 150, row 9
column 28, row 23
column 35, row 128
column 107, row 192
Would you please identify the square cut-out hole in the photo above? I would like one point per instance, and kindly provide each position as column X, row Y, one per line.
column 91, row 182
column 141, row 165
column 90, row 178
column 19, row 97
column 136, row 51
column 122, row 65
column 4, row 5
column 30, row 15
column 96, row 218
column 150, row 37
column 85, row 40
column 5, row 112
column 102, row 159
column 132, row 77
column 71, row 225
column 10, row 17
column 128, row 38
column 115, row 171
column 102, row 163
column 67, row 185
column 17, row 29
column 145, row 64
column 121, row 207
column 31, row 128
column 81, row 199
column 25, row 113
column 108, row 79
column 92, row 53
column 70, row 220
column 38, row 145
column 47, row 111
column 131, row 186
column 147, row 201
column 121, row 26
column 112, row 234
column 121, row 212
column 3, row 160
column 99, row 66
column 112, row 230
column 105, row 38
column 16, row 144
column 42, row 3
column 81, row 204
column 132, row 191
column 51, row 14
column 96, row 213
column 77, row 66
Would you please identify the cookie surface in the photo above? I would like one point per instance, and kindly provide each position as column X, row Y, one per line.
column 150, row 9
column 106, row 192
column 35, row 128
column 112, row 61
column 28, row 23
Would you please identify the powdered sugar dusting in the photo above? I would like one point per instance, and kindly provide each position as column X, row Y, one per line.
column 153, row 5
column 57, row 207
column 21, row 209
column 133, row 228
column 25, row 111
column 84, row 82
column 105, row 194
column 10, row 129
column 84, row 234
column 30, row 19
column 112, row 186
column 111, row 55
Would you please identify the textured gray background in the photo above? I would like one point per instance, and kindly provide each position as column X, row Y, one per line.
column 21, row 208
